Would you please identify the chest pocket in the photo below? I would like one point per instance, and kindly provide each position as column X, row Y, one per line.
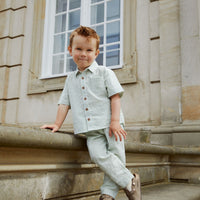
column 96, row 85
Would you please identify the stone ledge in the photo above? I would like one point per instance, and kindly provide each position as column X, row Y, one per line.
column 37, row 138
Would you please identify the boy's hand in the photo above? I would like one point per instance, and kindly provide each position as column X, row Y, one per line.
column 53, row 127
column 117, row 130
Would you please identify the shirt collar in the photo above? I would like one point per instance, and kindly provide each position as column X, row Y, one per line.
column 91, row 68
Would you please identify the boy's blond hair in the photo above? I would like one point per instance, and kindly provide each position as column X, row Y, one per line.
column 86, row 32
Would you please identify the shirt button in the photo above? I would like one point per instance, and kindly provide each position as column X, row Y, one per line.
column 88, row 119
column 85, row 98
column 82, row 77
column 86, row 109
column 83, row 88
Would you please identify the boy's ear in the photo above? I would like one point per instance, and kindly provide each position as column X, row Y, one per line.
column 70, row 50
column 97, row 52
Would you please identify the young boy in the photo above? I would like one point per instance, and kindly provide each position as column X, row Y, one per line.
column 93, row 94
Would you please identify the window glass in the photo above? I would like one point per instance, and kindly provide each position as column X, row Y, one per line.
column 113, row 9
column 100, row 31
column 94, row 1
column 70, row 64
column 60, row 23
column 97, row 13
column 102, row 15
column 74, row 4
column 113, row 55
column 58, row 64
column 74, row 20
column 113, row 32
column 61, row 6
column 59, row 43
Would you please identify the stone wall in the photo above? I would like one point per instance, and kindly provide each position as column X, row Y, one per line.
column 12, row 22
column 163, row 74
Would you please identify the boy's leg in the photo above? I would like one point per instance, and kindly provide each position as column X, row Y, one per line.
column 118, row 149
column 107, row 154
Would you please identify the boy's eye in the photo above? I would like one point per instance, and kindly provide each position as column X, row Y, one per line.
column 89, row 50
column 78, row 49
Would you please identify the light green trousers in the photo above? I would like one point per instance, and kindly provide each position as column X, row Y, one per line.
column 109, row 155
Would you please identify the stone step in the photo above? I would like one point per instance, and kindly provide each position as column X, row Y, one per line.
column 168, row 191
column 162, row 191
column 30, row 156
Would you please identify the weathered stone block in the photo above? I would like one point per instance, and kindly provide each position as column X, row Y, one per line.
column 5, row 23
column 155, row 104
column 19, row 3
column 1, row 110
column 29, row 186
column 3, row 82
column 12, row 23
column 161, row 139
column 11, row 111
column 3, row 51
column 189, row 24
column 190, row 103
column 186, row 139
column 17, row 22
column 14, row 53
column 13, row 83
column 154, row 19
column 190, row 59
column 170, row 103
column 155, row 60
column 5, row 4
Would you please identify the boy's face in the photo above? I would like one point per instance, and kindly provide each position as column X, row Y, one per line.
column 83, row 51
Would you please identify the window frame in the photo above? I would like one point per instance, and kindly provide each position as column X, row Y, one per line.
column 126, row 74
column 49, row 27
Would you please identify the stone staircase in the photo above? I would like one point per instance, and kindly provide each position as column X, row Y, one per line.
column 57, row 165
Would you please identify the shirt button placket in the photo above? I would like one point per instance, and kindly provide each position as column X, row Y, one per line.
column 85, row 98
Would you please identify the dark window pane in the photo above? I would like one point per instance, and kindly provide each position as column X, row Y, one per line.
column 97, row 14
column 113, row 9
column 113, row 32
column 58, row 64
column 59, row 43
column 74, row 4
column 112, row 58
column 60, row 23
column 74, row 20
column 61, row 6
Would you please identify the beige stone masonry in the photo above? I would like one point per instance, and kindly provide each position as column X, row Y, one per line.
column 11, row 108
column 14, row 51
column 3, row 82
column 154, row 19
column 11, row 51
column 12, row 23
column 37, row 138
column 155, row 102
column 12, row 4
column 155, row 60
column 1, row 110
column 190, row 51
column 57, row 164
column 170, row 62
column 3, row 51
column 13, row 82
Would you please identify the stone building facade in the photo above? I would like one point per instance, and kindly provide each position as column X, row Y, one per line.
column 161, row 103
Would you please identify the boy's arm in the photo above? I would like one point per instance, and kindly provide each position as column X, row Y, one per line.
column 61, row 115
column 115, row 127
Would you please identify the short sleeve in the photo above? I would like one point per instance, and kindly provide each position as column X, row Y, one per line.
column 64, row 98
column 112, row 84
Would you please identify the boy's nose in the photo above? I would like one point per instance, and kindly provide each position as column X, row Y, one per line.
column 83, row 53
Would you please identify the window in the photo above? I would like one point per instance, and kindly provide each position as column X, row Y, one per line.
column 63, row 16
column 38, row 68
